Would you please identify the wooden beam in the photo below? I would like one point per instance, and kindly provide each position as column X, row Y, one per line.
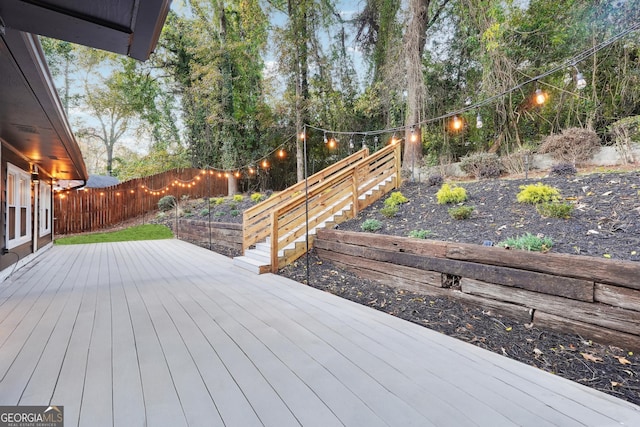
column 617, row 296
column 593, row 313
column 596, row 333
column 555, row 285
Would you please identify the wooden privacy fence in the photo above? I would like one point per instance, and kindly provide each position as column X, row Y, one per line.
column 597, row 298
column 91, row 209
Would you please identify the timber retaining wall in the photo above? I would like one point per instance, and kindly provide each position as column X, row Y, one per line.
column 220, row 234
column 596, row 298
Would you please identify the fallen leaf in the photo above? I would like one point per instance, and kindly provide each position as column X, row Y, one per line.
column 537, row 351
column 608, row 193
column 607, row 255
column 508, row 328
column 615, row 384
column 623, row 360
column 634, row 253
column 630, row 353
column 591, row 357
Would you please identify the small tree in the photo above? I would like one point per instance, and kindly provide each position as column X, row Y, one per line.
column 573, row 145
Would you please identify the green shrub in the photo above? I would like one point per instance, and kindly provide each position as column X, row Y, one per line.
column 419, row 234
column 233, row 205
column 238, row 198
column 389, row 211
column 166, row 203
column 217, row 200
column 371, row 225
column 555, row 210
column 538, row 193
column 451, row 194
column 204, row 212
column 161, row 215
column 257, row 197
column 482, row 165
column 234, row 212
column 528, row 242
column 461, row 212
column 219, row 213
column 395, row 199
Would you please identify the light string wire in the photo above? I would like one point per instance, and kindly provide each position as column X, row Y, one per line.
column 571, row 62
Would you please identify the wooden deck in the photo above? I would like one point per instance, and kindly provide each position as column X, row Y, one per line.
column 163, row 333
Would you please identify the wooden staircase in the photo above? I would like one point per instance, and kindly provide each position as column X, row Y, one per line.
column 275, row 231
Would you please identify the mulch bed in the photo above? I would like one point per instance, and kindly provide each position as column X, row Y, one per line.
column 605, row 223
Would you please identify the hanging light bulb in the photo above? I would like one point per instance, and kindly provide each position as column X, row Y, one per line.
column 265, row 164
column 302, row 135
column 479, row 123
column 325, row 138
column 393, row 140
column 364, row 141
column 281, row 153
column 332, row 143
column 581, row 83
column 237, row 174
column 251, row 170
column 414, row 137
column 351, row 143
column 539, row 97
column 456, row 123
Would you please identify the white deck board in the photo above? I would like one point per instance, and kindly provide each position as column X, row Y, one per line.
column 163, row 333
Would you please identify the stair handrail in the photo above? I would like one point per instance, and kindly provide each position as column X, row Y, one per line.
column 354, row 171
column 262, row 210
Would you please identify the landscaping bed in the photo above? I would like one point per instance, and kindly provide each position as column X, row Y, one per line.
column 604, row 223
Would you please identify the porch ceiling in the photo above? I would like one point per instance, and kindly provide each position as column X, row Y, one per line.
column 127, row 27
column 32, row 120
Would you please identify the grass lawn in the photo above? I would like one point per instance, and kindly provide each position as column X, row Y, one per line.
column 139, row 232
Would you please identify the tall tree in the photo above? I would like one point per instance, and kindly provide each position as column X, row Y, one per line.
column 422, row 16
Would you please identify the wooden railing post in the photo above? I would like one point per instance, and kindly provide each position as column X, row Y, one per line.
column 354, row 190
column 274, row 241
column 398, row 154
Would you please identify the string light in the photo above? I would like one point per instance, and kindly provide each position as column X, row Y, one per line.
column 456, row 123
column 332, row 143
column 281, row 153
column 581, row 83
column 479, row 123
column 265, row 164
column 539, row 97
column 414, row 137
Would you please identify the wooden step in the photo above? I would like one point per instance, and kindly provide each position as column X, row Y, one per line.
column 251, row 265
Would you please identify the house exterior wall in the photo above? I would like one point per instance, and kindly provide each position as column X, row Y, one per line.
column 10, row 254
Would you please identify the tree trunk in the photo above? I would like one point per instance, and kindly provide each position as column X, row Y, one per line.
column 298, row 24
column 232, row 185
column 414, row 42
